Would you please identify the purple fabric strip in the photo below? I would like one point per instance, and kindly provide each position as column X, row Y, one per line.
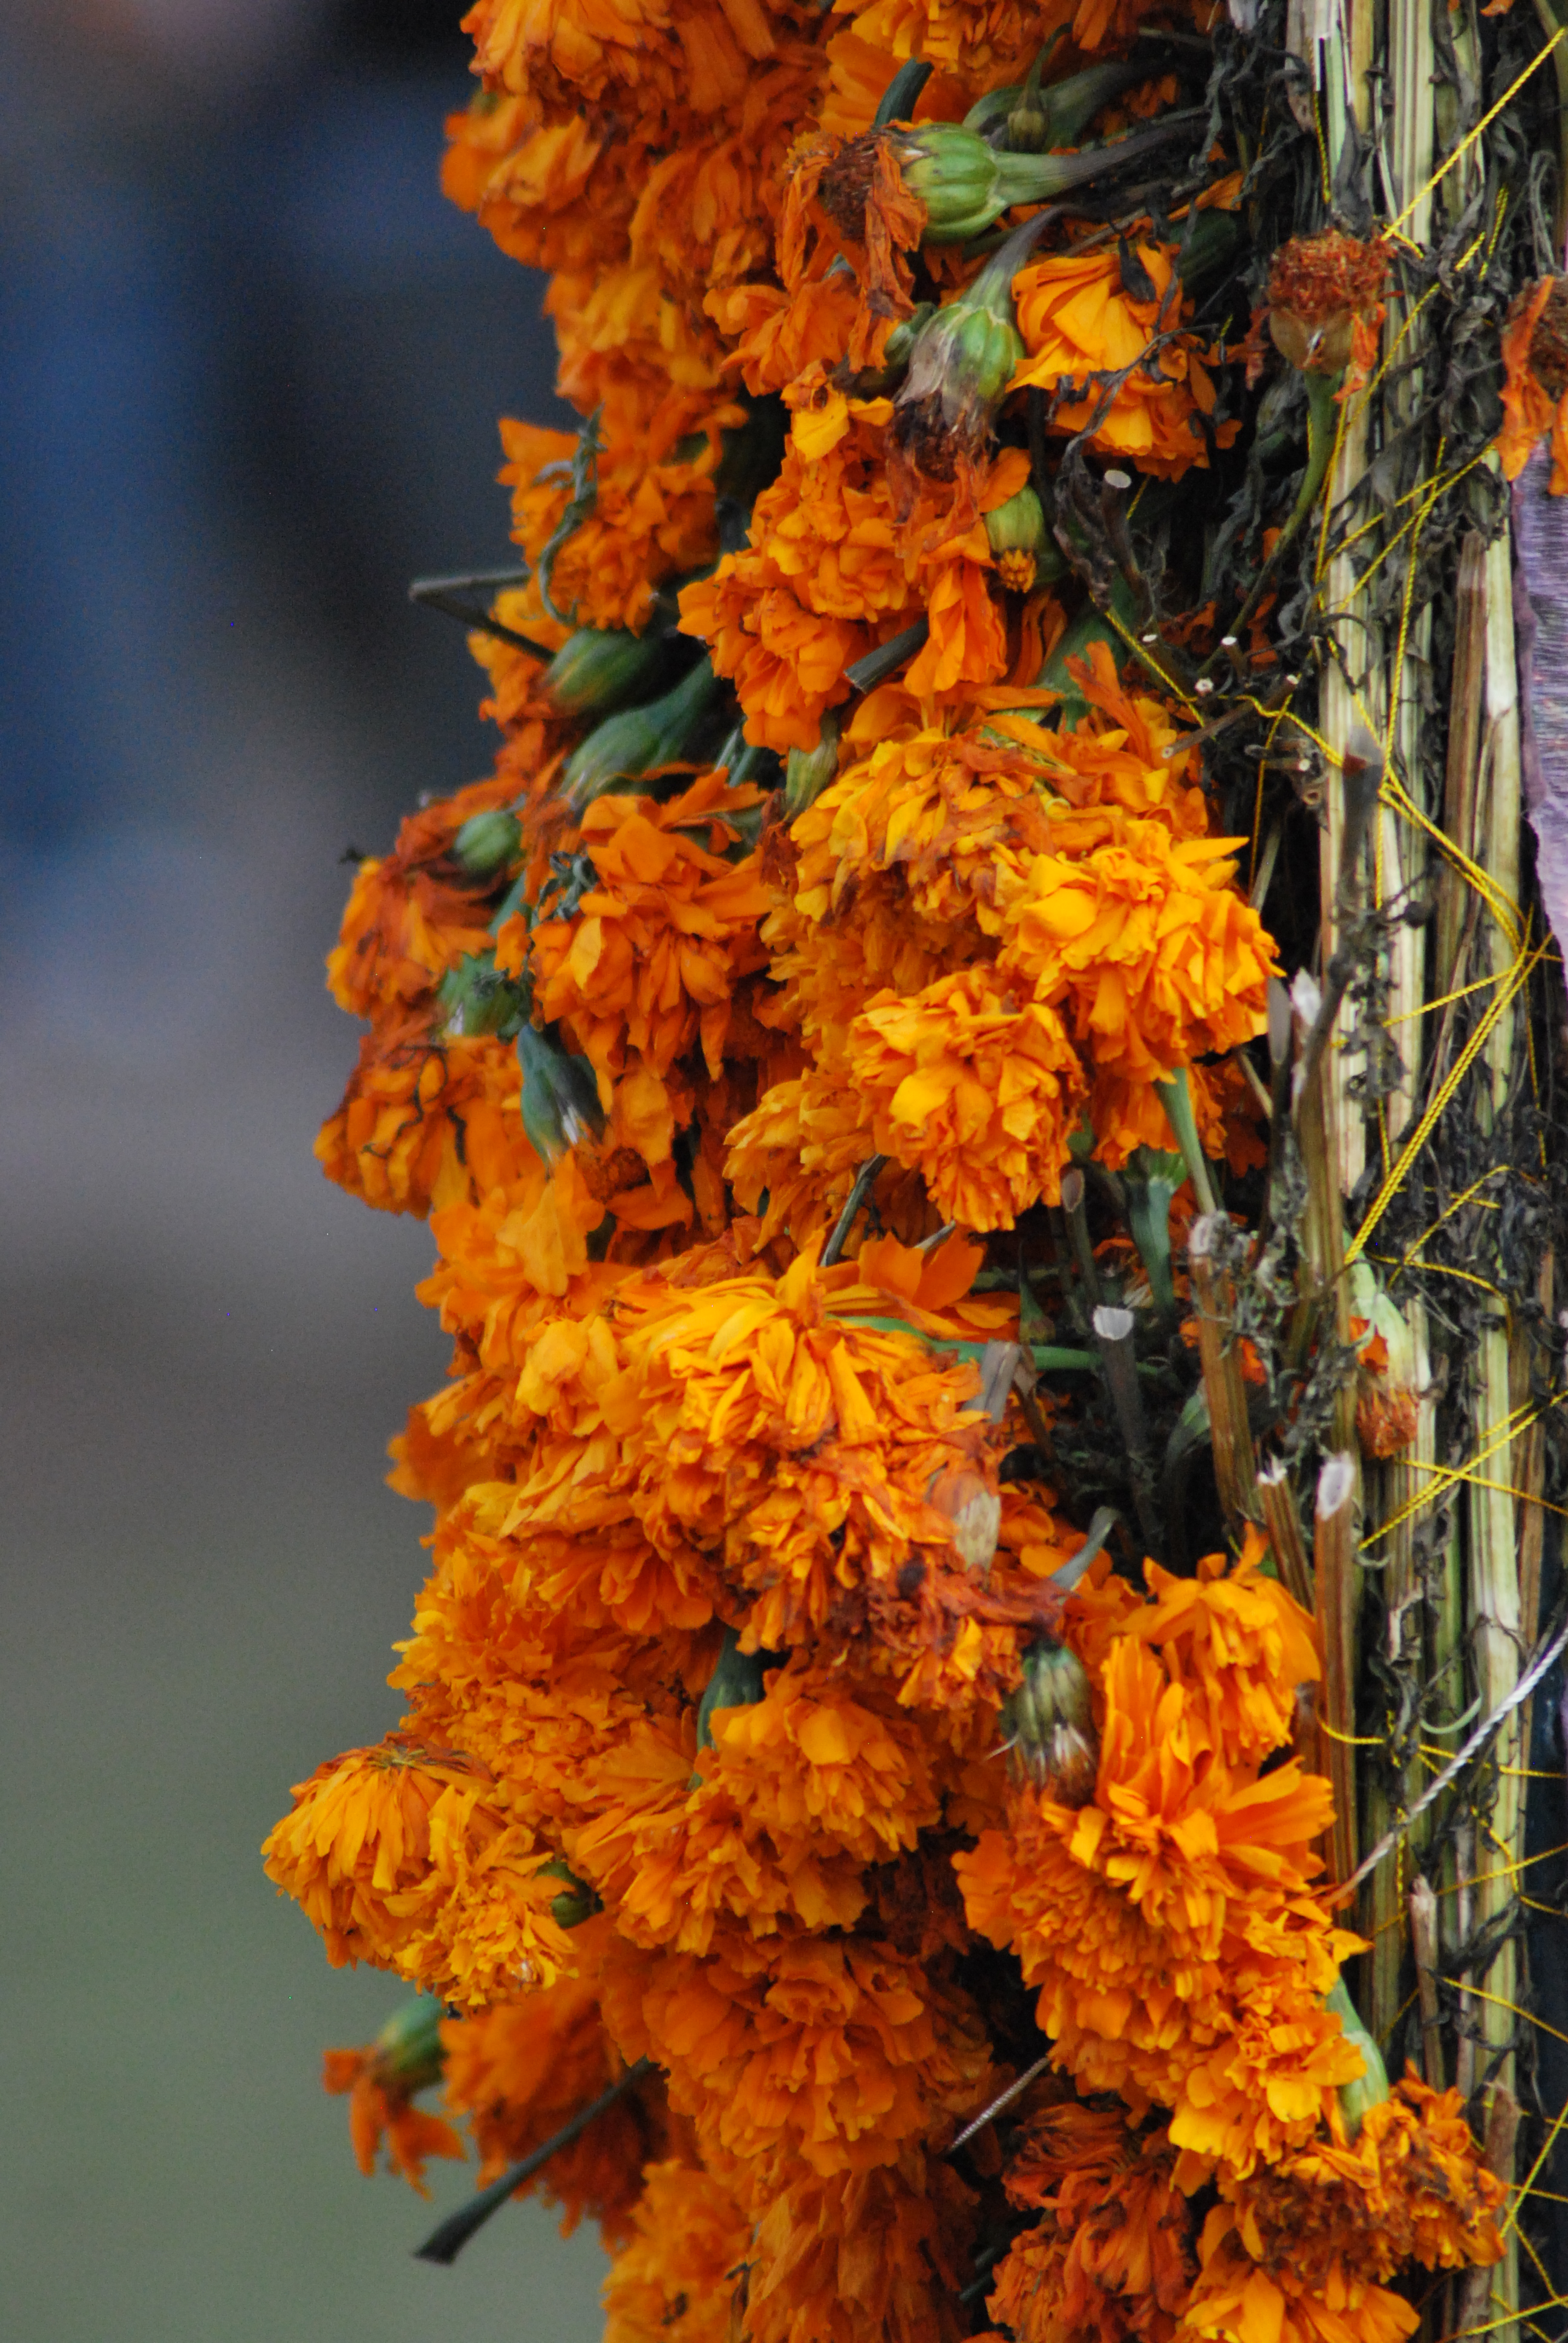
column 1541, row 628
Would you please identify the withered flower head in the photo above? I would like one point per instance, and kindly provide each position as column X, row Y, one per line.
column 961, row 368
column 962, row 182
column 1321, row 288
column 1547, row 352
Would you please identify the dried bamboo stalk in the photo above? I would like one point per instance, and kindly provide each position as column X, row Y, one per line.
column 1333, row 1551
column 1494, row 1583
column 1424, row 1940
column 1219, row 1353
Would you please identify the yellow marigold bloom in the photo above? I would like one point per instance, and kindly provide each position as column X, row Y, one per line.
column 1144, row 940
column 1077, row 320
column 650, row 958
column 398, row 1857
column 522, row 2070
column 972, row 1089
column 673, row 2283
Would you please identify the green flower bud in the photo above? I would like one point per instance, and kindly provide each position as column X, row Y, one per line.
column 735, row 1683
column 487, row 843
column 478, row 999
column 1025, row 551
column 1357, row 2099
column 560, row 1101
column 577, row 1901
column 810, row 770
column 599, row 669
column 1049, row 1724
column 966, row 184
column 406, row 2055
column 961, row 366
column 625, row 747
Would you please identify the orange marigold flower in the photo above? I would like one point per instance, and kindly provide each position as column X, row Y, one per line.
column 799, row 1791
column 1238, row 1644
column 675, row 2281
column 1077, row 319
column 976, row 1092
column 1172, row 1928
column 414, row 914
column 400, row 1858
column 526, row 181
column 882, row 2253
column 1410, row 2188
column 1535, row 379
column 1112, row 2256
column 542, row 1694
column 656, row 54
column 650, row 958
column 1143, row 938
column 425, row 1122
column 381, row 2081
column 834, row 2050
column 1235, row 2301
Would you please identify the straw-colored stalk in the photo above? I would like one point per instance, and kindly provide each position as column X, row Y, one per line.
column 1209, row 1263
column 1494, row 1589
column 1334, row 1563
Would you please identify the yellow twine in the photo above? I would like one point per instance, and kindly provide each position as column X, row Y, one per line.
column 1470, row 136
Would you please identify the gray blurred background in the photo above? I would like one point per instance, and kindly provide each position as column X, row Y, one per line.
column 250, row 366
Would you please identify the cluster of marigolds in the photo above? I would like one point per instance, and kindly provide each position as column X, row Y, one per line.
column 751, row 1731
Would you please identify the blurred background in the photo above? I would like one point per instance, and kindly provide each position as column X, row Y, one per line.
column 250, row 368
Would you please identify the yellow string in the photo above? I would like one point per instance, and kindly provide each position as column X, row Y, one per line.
column 1408, row 1016
column 1470, row 136
column 1351, row 1740
column 1514, row 982
column 1447, row 1476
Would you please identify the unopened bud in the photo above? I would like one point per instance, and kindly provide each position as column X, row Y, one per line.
column 487, row 841
column 1358, row 2099
column 639, row 739
column 406, row 2055
column 478, row 999
column 577, row 1901
column 965, row 1498
column 603, row 667
column 810, row 770
column 560, row 1102
column 1016, row 533
column 1049, row 1724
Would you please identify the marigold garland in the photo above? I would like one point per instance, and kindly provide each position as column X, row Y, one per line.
column 811, row 1048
